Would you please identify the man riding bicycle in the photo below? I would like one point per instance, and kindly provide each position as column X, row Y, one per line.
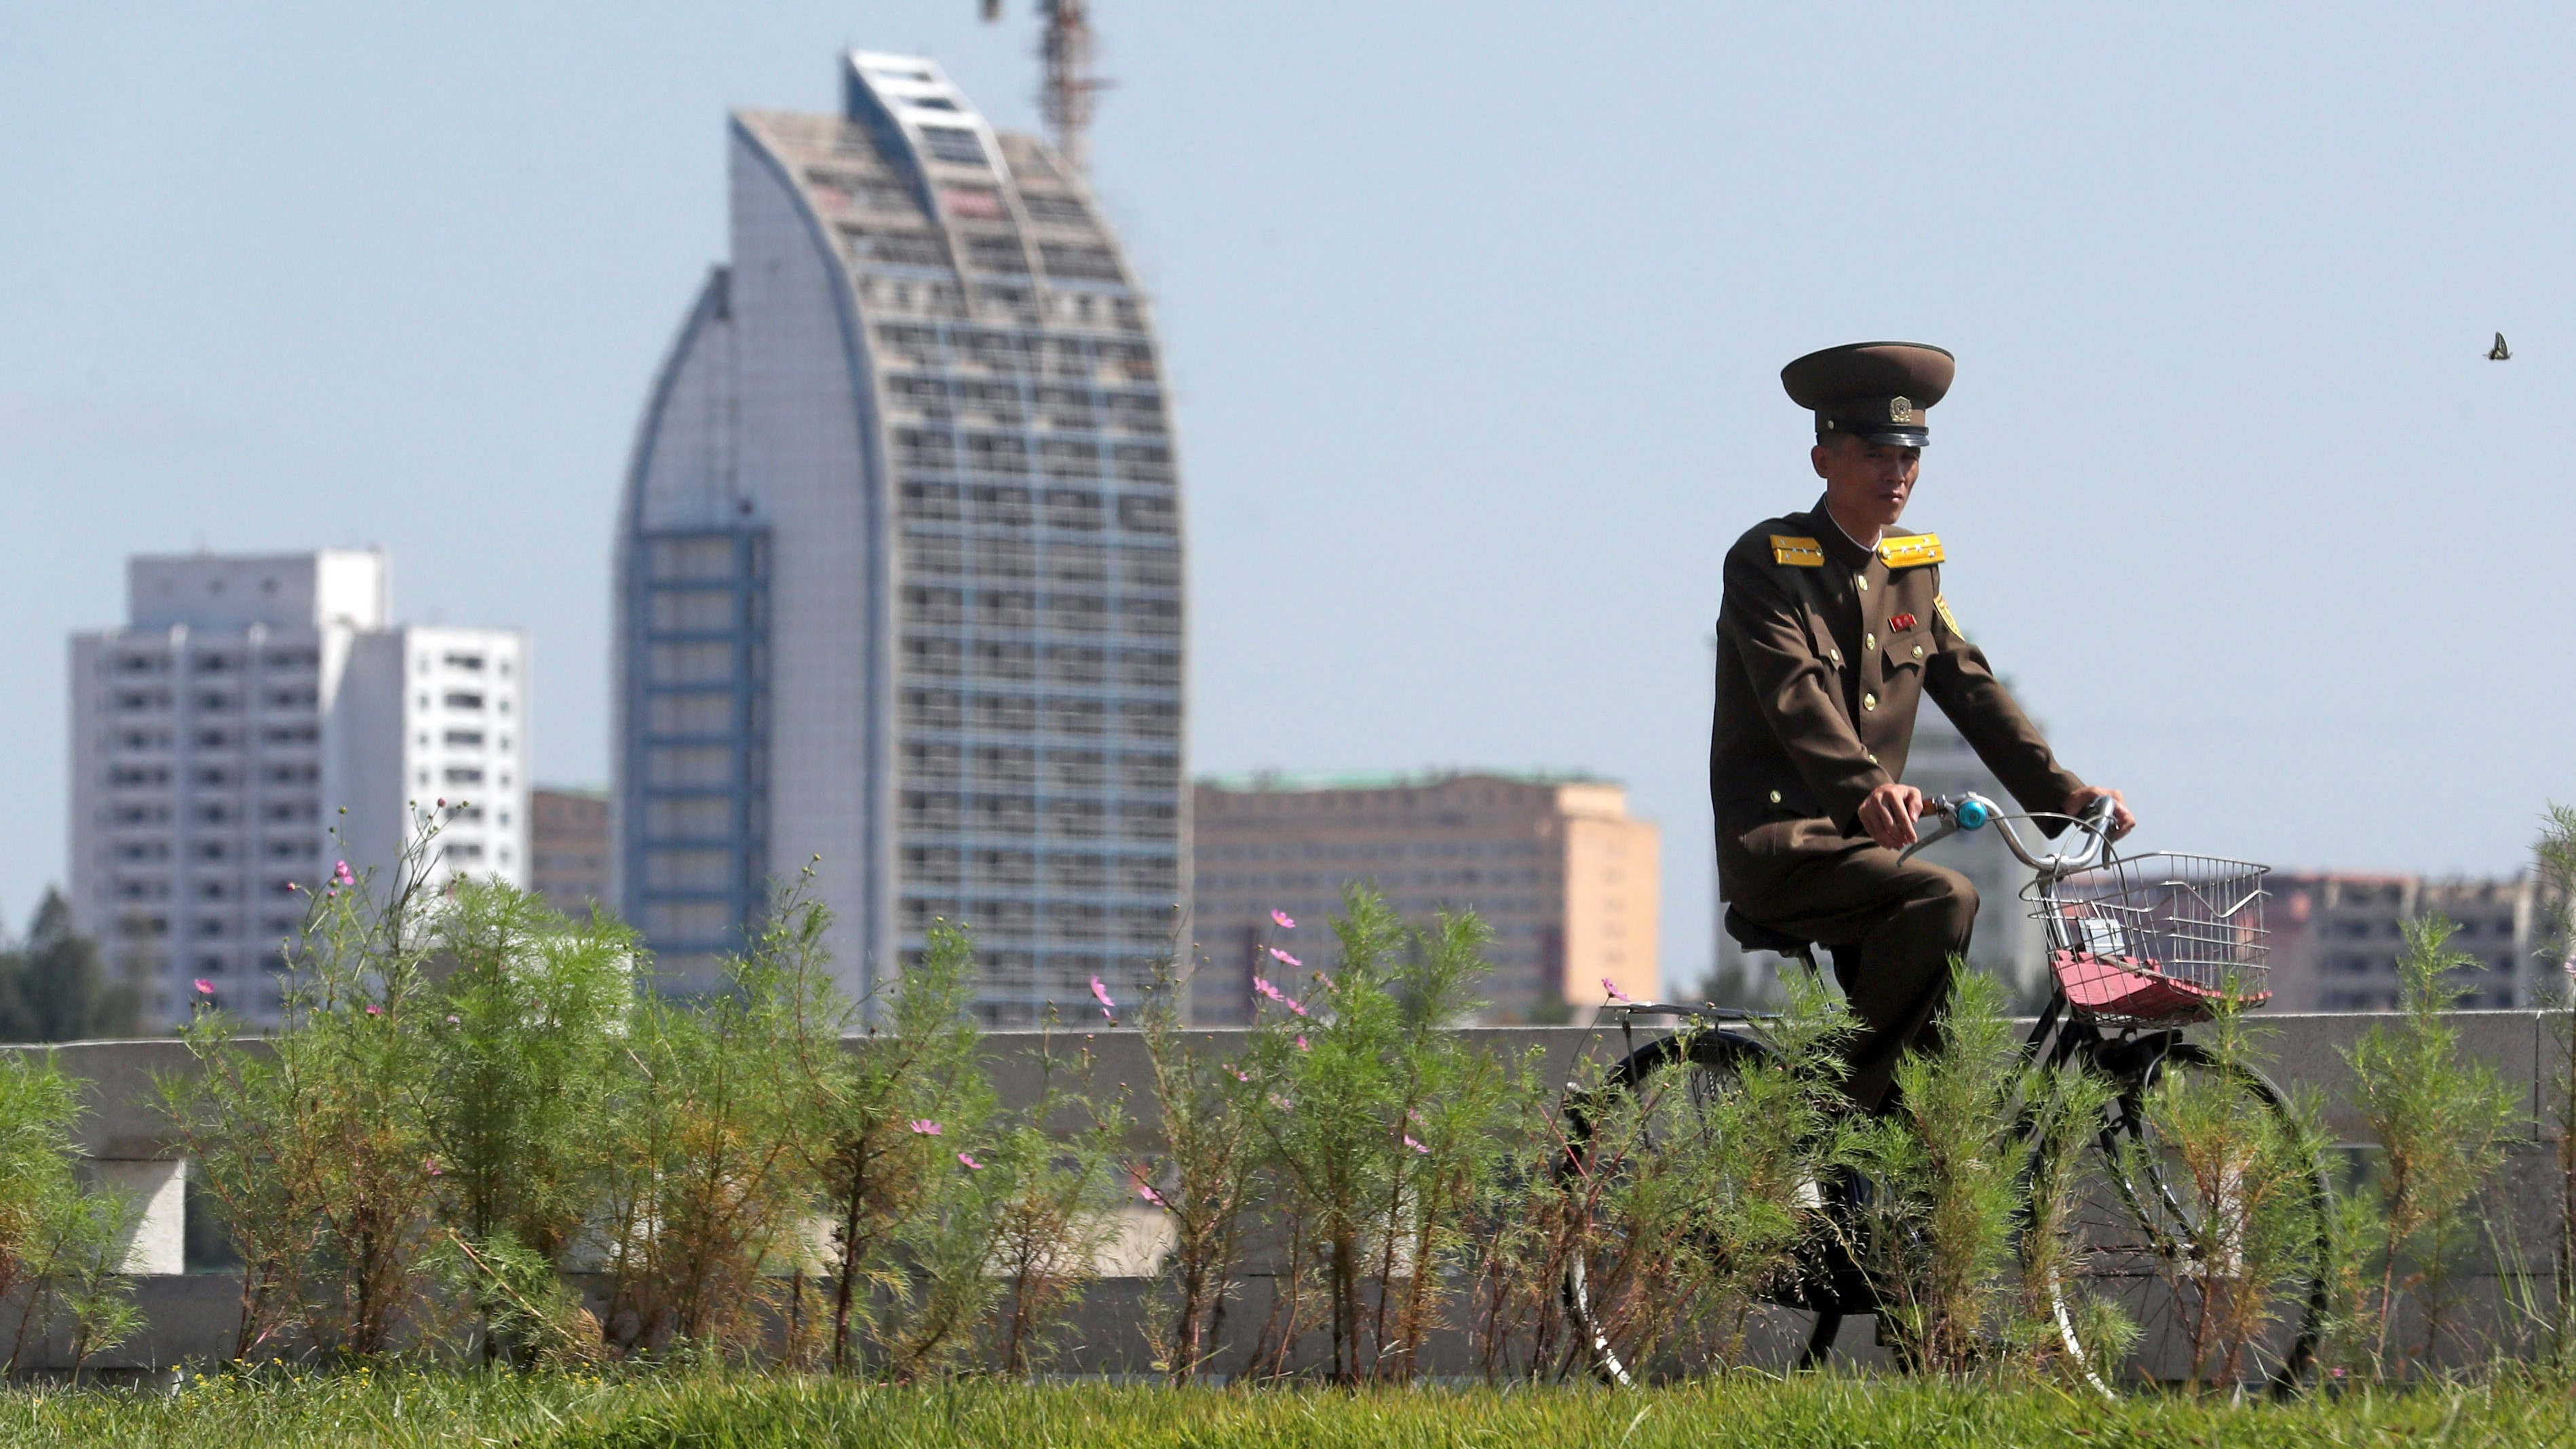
column 1832, row 630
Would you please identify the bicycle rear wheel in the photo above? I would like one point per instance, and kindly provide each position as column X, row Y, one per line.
column 1635, row 1171
column 2203, row 1215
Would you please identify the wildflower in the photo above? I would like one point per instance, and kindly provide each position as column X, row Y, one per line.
column 454, row 1021
column 1301, row 1043
column 1285, row 923
column 374, row 1010
column 1108, row 1008
column 1613, row 988
column 1283, row 958
column 204, row 987
column 1416, row 1146
column 1263, row 986
column 343, row 874
column 1146, row 1191
column 1282, row 1103
column 971, row 1164
column 1240, row 1074
column 925, row 1127
column 292, row 887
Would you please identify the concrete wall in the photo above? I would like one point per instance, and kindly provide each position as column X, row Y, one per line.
column 194, row 1313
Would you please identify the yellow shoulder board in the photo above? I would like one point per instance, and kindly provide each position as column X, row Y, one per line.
column 1806, row 553
column 1909, row 550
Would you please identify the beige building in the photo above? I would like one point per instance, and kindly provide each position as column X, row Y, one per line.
column 1555, row 864
column 568, row 848
column 2335, row 938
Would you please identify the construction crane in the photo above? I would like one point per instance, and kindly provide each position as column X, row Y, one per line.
column 1065, row 96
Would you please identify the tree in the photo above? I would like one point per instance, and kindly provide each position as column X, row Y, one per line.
column 52, row 987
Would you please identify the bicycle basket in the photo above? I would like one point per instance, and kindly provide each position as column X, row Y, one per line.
column 2156, row 937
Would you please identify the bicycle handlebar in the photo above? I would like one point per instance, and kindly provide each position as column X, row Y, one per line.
column 1975, row 812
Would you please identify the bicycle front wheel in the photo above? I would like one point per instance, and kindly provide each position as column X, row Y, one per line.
column 2202, row 1216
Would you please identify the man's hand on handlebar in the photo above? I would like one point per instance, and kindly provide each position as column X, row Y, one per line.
column 1889, row 812
column 2122, row 822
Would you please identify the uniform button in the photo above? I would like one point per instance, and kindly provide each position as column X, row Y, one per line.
column 1835, row 655
column 1918, row 651
column 1775, row 797
column 1869, row 641
column 1864, row 585
column 1873, row 759
column 1869, row 701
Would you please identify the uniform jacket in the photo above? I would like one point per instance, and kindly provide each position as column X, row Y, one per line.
column 1824, row 651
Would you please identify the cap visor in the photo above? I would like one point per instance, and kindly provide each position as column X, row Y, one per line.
column 1902, row 438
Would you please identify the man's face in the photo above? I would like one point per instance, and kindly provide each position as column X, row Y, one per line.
column 1865, row 480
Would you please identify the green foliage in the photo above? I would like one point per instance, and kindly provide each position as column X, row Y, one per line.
column 887, row 1120
column 700, row 1180
column 1946, row 1164
column 2557, row 855
column 2064, row 1111
column 319, row 1144
column 1053, row 1204
column 1379, row 1126
column 52, row 987
column 62, row 1244
column 526, row 1039
column 2234, row 1202
column 2440, row 1122
column 1200, row 1179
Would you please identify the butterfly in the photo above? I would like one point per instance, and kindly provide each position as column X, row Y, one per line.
column 2499, row 352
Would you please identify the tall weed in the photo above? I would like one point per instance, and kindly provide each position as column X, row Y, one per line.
column 2440, row 1122
column 1945, row 1165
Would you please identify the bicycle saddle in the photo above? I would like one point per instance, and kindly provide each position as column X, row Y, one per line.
column 1752, row 935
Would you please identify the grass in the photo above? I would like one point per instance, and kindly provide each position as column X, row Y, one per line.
column 725, row 1411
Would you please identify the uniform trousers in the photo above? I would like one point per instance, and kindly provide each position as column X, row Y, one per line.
column 1893, row 926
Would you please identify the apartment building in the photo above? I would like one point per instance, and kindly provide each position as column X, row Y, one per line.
column 568, row 844
column 256, row 720
column 1554, row 864
column 2335, row 937
column 899, row 566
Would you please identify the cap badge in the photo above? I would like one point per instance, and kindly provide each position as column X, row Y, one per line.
column 1900, row 410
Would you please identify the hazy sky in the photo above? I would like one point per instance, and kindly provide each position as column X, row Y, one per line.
column 1474, row 315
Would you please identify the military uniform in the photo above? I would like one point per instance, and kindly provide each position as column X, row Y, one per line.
column 1825, row 650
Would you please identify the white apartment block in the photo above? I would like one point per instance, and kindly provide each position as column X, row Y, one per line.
column 249, row 705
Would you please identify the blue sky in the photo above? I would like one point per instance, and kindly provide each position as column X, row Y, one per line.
column 1474, row 315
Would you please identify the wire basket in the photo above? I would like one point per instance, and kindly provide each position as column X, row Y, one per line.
column 2156, row 937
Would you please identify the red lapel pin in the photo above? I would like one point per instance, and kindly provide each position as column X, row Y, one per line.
column 1899, row 623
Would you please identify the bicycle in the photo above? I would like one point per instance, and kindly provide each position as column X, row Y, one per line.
column 2138, row 949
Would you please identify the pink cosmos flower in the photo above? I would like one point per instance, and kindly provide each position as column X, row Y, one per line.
column 1263, row 987
column 1282, row 1103
column 971, row 1164
column 204, row 987
column 373, row 1010
column 925, row 1127
column 1613, row 988
column 1240, row 1074
column 1108, row 1008
column 343, row 874
column 1283, row 958
column 454, row 1021
column 1301, row 1043
column 1146, row 1191
column 1416, row 1146
column 1285, row 923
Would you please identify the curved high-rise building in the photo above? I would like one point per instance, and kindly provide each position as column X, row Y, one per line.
column 899, row 566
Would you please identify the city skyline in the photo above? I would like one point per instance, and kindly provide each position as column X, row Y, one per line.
column 1475, row 390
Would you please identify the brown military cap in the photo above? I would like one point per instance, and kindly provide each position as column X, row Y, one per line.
column 1872, row 390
